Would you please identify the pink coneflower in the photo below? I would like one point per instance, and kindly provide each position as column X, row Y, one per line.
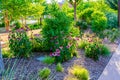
column 57, row 51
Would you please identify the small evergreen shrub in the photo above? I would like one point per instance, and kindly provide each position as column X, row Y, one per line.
column 112, row 20
column 86, row 15
column 112, row 34
column 44, row 73
column 38, row 44
column 19, row 43
column 7, row 53
column 2, row 24
column 79, row 72
column 35, row 26
column 82, row 25
column 49, row 60
column 59, row 68
column 99, row 21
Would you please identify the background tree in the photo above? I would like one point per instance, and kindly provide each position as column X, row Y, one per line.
column 115, row 4
column 75, row 3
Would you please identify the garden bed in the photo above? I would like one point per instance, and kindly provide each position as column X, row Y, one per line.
column 27, row 68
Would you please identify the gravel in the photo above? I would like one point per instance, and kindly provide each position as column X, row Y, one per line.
column 26, row 68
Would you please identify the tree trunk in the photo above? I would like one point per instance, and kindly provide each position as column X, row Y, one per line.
column 75, row 10
column 22, row 20
column 40, row 20
column 7, row 27
column 1, row 61
column 119, row 13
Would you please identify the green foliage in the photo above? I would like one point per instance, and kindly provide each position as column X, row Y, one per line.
column 59, row 68
column 39, row 44
column 2, row 24
column 92, row 51
column 19, row 43
column 99, row 21
column 16, row 25
column 112, row 3
column 82, row 25
column 34, row 26
column 93, row 46
column 59, row 35
column 112, row 34
column 44, row 73
column 104, row 50
column 79, row 72
column 7, row 53
column 49, row 60
column 86, row 14
column 112, row 20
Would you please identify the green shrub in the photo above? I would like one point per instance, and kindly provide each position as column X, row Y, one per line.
column 82, row 24
column 49, row 60
column 44, row 73
column 86, row 15
column 92, row 51
column 112, row 34
column 104, row 50
column 2, row 24
column 34, row 26
column 82, row 44
column 80, row 72
column 112, row 20
column 60, row 36
column 19, row 43
column 7, row 53
column 93, row 46
column 99, row 21
column 59, row 68
column 38, row 44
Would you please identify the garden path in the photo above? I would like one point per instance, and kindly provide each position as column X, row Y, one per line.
column 112, row 70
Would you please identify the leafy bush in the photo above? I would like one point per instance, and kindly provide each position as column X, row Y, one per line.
column 86, row 15
column 2, row 24
column 60, row 36
column 99, row 21
column 44, row 73
column 93, row 46
column 7, row 53
column 34, row 26
column 38, row 43
column 19, row 43
column 59, row 68
column 112, row 20
column 49, row 60
column 112, row 34
column 92, row 51
column 82, row 24
column 80, row 72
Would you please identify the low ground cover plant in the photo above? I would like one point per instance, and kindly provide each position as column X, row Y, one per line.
column 79, row 72
column 112, row 34
column 44, row 73
column 49, row 60
column 59, row 67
